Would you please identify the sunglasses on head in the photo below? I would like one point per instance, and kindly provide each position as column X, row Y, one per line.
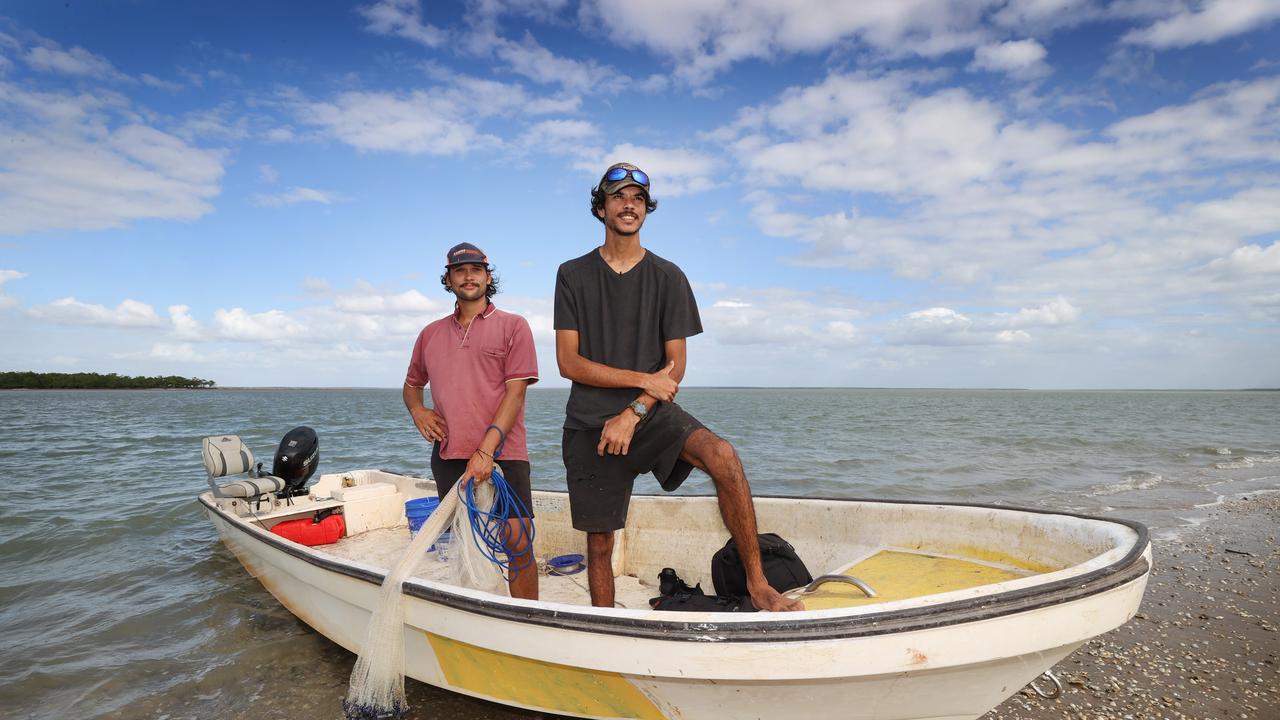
column 618, row 173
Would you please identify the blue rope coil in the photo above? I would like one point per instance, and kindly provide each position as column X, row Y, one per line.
column 490, row 530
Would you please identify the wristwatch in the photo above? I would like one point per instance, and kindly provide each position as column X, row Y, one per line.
column 639, row 409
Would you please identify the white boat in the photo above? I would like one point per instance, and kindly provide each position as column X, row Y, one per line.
column 973, row 603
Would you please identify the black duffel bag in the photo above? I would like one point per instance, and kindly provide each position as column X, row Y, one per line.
column 782, row 567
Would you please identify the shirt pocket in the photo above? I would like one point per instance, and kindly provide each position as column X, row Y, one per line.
column 495, row 357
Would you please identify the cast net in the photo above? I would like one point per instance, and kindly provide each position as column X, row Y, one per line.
column 377, row 681
column 470, row 566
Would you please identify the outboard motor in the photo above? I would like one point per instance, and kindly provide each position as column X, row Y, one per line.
column 296, row 460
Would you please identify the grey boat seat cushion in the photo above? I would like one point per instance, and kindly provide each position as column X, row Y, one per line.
column 226, row 455
column 252, row 487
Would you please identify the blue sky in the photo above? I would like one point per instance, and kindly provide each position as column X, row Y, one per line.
column 977, row 193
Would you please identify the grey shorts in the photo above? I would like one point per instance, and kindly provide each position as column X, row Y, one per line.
column 600, row 487
column 515, row 472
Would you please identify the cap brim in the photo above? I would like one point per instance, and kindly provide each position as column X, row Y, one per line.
column 469, row 261
column 610, row 188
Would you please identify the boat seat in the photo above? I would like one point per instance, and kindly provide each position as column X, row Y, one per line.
column 226, row 455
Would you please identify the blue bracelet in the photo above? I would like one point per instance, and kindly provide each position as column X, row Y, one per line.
column 502, row 439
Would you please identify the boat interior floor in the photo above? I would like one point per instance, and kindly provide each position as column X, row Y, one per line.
column 894, row 574
column 384, row 547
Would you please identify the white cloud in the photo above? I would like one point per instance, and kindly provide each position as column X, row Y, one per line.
column 874, row 134
column 409, row 302
column 1042, row 13
column 375, row 320
column 155, row 82
column 1209, row 21
column 221, row 123
column 441, row 120
column 401, row 18
column 170, row 351
column 270, row 326
column 577, row 138
column 943, row 326
column 532, row 60
column 416, row 123
column 525, row 57
column 1018, row 58
column 85, row 162
column 69, row 311
column 704, row 38
column 6, row 276
column 293, row 196
column 673, row 171
column 49, row 57
column 283, row 133
column 1012, row 336
column 784, row 318
column 268, row 174
column 1249, row 260
column 1047, row 209
column 1060, row 311
column 184, row 326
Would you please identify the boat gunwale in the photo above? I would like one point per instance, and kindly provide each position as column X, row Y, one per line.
column 780, row 627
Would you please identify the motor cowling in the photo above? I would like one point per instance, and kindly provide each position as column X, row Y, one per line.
column 296, row 459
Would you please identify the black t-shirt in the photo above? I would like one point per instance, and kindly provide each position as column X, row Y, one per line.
column 622, row 321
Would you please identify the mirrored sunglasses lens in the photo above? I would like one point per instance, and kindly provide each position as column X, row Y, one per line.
column 640, row 177
column 615, row 174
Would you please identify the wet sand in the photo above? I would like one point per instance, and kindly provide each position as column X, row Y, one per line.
column 1206, row 642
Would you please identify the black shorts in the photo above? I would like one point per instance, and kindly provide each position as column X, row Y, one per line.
column 600, row 487
column 515, row 472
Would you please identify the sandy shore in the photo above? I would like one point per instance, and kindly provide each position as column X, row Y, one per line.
column 1206, row 643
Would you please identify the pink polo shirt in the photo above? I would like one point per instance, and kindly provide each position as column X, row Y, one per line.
column 468, row 369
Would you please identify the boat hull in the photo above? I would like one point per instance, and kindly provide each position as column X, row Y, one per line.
column 953, row 661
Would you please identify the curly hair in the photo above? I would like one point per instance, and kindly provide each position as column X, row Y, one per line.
column 489, row 291
column 597, row 203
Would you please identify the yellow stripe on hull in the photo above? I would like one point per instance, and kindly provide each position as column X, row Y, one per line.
column 543, row 685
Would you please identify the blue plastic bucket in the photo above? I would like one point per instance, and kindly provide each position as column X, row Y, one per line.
column 443, row 546
column 417, row 511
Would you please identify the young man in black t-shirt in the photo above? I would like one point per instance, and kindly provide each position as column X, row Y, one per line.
column 621, row 317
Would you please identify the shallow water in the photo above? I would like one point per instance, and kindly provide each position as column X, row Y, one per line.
column 117, row 600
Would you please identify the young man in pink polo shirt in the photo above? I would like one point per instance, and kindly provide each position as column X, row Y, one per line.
column 479, row 361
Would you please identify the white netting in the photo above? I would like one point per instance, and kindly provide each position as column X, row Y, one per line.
column 377, row 681
column 467, row 562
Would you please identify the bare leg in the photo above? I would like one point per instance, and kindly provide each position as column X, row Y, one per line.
column 717, row 458
column 600, row 568
column 522, row 583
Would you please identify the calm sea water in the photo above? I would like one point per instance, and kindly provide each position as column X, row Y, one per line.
column 118, row 601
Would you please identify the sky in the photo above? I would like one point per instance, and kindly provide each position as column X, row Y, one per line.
column 917, row 193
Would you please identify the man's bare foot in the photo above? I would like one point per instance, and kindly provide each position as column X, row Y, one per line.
column 774, row 601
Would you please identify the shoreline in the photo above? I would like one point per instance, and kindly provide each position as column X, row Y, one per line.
column 1204, row 644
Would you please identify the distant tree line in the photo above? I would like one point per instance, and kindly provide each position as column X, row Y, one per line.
column 95, row 381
